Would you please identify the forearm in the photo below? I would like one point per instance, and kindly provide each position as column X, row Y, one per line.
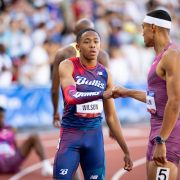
column 72, row 96
column 171, row 114
column 115, row 128
column 55, row 101
column 138, row 95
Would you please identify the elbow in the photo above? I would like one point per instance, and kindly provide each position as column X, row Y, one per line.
column 109, row 119
column 70, row 101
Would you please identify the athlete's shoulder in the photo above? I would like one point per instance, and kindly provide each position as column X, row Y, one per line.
column 73, row 59
column 64, row 53
column 103, row 58
column 9, row 128
column 173, row 52
column 170, row 59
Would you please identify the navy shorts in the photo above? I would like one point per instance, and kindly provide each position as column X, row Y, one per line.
column 80, row 146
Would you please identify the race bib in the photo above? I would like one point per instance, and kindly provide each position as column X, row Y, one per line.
column 162, row 173
column 150, row 102
column 90, row 107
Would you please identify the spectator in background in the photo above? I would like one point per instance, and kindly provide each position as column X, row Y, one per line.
column 12, row 37
column 118, row 66
column 40, row 34
column 40, row 65
column 24, row 71
column 5, row 68
column 12, row 155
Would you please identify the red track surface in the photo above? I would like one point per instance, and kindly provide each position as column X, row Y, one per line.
column 136, row 138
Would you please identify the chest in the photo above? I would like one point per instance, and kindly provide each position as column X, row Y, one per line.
column 6, row 136
column 90, row 81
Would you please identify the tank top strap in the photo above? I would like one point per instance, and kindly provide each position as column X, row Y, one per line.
column 163, row 51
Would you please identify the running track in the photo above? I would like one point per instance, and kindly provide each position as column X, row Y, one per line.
column 136, row 138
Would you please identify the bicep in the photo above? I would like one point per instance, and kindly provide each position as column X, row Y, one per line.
column 65, row 74
column 109, row 106
column 172, row 78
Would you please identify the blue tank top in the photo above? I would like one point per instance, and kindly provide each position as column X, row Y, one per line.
column 87, row 80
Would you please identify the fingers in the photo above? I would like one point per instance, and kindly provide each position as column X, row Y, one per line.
column 128, row 163
column 56, row 123
column 160, row 161
column 128, row 166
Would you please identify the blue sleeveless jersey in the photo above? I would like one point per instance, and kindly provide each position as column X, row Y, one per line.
column 87, row 80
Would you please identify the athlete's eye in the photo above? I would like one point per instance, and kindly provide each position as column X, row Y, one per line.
column 96, row 42
column 86, row 42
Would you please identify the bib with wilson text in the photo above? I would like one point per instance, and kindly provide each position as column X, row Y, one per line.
column 90, row 107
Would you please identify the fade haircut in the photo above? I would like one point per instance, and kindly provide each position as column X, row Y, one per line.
column 160, row 14
column 80, row 33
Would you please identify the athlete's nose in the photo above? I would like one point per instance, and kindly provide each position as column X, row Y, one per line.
column 92, row 44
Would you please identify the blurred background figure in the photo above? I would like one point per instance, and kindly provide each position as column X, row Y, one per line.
column 5, row 68
column 31, row 32
column 12, row 155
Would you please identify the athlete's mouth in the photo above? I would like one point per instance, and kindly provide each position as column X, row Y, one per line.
column 92, row 52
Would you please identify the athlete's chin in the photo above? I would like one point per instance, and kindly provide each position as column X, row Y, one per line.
column 148, row 45
column 92, row 56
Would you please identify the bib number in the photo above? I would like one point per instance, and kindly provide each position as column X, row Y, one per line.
column 90, row 107
column 162, row 173
column 150, row 102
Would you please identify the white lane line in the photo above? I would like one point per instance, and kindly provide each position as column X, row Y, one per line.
column 48, row 143
column 121, row 172
column 28, row 170
column 131, row 143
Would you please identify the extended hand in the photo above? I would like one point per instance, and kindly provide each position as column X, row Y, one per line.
column 159, row 156
column 128, row 163
column 107, row 94
column 119, row 92
column 56, row 121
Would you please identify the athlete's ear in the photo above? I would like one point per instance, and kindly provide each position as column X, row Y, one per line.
column 153, row 28
column 77, row 47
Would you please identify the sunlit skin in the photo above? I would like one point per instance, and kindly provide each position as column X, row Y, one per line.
column 148, row 34
column 89, row 46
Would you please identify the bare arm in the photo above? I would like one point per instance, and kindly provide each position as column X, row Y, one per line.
column 61, row 55
column 115, row 127
column 170, row 68
column 171, row 65
column 124, row 92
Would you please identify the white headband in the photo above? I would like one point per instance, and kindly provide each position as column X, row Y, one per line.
column 158, row 22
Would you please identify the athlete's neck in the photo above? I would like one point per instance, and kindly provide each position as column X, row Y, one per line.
column 90, row 64
column 161, row 42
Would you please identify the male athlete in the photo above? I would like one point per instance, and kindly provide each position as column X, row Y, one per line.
column 67, row 52
column 12, row 155
column 62, row 54
column 83, row 82
column 162, row 98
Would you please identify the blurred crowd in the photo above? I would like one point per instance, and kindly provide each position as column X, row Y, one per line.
column 31, row 31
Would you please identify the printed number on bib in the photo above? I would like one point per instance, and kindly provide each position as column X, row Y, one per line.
column 162, row 173
column 150, row 102
column 90, row 107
